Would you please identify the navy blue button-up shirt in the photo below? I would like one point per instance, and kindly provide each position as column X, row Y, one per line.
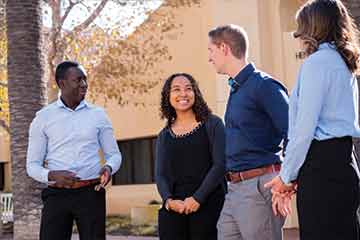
column 256, row 120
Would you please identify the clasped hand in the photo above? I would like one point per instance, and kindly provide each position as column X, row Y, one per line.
column 65, row 179
column 189, row 205
column 281, row 196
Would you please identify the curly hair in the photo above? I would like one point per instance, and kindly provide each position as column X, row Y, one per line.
column 322, row 21
column 200, row 107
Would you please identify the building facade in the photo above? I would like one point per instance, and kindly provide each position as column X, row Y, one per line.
column 269, row 24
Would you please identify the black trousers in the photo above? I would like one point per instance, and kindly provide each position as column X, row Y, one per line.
column 200, row 225
column 62, row 207
column 328, row 192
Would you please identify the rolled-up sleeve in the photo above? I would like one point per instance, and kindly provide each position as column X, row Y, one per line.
column 108, row 144
column 36, row 152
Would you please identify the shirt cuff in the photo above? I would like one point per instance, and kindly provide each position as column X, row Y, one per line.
column 286, row 177
column 200, row 199
column 44, row 176
column 111, row 166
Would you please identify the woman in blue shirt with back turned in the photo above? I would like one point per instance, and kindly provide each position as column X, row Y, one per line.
column 323, row 118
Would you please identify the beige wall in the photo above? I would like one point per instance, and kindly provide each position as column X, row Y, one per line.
column 270, row 49
column 5, row 157
column 4, row 145
column 188, row 48
column 243, row 13
column 268, row 23
column 120, row 199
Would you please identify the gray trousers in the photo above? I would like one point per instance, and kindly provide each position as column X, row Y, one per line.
column 247, row 212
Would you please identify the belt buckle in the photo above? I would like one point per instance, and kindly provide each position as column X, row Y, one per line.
column 229, row 176
column 241, row 176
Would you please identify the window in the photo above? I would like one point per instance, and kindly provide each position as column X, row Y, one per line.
column 2, row 175
column 138, row 162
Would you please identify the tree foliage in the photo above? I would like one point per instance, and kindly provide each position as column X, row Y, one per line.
column 122, row 67
column 125, row 67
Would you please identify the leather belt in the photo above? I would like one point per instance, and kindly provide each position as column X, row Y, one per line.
column 235, row 177
column 79, row 184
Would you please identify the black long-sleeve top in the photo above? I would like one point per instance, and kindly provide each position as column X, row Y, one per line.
column 214, row 176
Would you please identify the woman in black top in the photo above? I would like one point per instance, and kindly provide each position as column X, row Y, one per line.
column 190, row 158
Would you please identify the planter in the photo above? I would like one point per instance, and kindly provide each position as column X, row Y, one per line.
column 144, row 215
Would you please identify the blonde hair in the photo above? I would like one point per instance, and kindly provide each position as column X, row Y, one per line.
column 233, row 36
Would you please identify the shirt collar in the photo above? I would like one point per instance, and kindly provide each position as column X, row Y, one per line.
column 82, row 104
column 327, row 45
column 242, row 76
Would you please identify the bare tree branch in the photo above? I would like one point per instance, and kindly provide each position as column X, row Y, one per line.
column 91, row 18
column 86, row 6
column 121, row 3
column 67, row 11
column 4, row 125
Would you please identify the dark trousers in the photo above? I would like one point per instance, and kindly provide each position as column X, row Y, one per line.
column 328, row 192
column 200, row 225
column 62, row 206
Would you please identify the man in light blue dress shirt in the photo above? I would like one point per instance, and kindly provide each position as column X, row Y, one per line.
column 64, row 142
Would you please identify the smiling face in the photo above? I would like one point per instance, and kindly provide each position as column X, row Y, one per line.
column 182, row 96
column 74, row 85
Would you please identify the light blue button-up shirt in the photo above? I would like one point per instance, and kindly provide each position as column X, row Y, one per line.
column 70, row 140
column 323, row 105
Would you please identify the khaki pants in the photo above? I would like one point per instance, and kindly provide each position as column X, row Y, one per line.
column 247, row 212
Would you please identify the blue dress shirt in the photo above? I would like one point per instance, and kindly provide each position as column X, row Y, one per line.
column 323, row 105
column 70, row 140
column 256, row 120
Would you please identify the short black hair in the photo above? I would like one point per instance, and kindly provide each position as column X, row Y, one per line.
column 62, row 69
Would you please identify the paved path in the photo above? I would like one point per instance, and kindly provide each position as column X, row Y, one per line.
column 123, row 238
column 289, row 235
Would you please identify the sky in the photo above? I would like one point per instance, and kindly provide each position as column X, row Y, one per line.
column 114, row 15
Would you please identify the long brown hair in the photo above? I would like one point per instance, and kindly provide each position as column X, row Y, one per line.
column 322, row 21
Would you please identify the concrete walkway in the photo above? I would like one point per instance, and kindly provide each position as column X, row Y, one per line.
column 122, row 238
column 289, row 234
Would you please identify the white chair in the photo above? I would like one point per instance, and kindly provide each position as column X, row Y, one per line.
column 7, row 209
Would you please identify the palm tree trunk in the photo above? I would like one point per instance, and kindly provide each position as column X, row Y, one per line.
column 27, row 94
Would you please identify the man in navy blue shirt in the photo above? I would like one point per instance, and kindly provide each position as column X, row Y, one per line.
column 256, row 122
